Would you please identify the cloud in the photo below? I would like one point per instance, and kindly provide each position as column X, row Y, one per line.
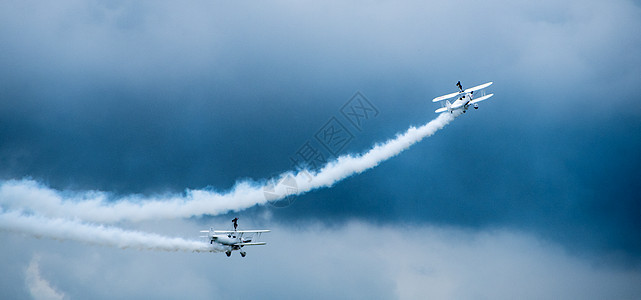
column 358, row 260
column 40, row 288
column 65, row 229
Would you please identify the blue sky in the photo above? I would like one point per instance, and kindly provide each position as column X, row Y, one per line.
column 150, row 98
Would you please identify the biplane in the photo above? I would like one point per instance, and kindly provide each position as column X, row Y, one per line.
column 232, row 240
column 464, row 98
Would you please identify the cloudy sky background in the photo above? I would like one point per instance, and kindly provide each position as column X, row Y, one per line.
column 531, row 195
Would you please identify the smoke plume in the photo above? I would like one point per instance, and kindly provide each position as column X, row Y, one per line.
column 94, row 206
column 64, row 229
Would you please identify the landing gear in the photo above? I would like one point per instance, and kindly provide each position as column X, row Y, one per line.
column 228, row 253
column 243, row 254
column 464, row 111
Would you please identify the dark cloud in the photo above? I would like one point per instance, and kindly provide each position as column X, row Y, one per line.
column 153, row 97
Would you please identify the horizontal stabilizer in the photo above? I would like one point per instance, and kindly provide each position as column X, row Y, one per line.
column 440, row 110
column 457, row 106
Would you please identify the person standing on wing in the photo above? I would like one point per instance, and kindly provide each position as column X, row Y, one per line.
column 235, row 221
column 460, row 87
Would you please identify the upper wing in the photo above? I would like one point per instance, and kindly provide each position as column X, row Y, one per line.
column 478, row 87
column 444, row 97
column 481, row 98
column 452, row 95
column 240, row 231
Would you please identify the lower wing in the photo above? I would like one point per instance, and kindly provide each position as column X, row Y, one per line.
column 477, row 100
column 250, row 244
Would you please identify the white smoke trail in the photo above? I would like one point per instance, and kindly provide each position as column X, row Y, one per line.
column 94, row 206
column 64, row 229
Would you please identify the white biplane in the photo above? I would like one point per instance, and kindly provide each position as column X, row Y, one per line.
column 232, row 240
column 465, row 98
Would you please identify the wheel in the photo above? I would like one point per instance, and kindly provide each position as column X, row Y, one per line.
column 464, row 111
column 243, row 254
column 228, row 253
column 476, row 107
